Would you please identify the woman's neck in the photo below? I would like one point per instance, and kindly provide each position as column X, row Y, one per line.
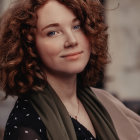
column 65, row 87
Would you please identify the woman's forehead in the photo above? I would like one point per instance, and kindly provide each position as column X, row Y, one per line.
column 54, row 12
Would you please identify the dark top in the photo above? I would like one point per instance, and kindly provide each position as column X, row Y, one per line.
column 25, row 124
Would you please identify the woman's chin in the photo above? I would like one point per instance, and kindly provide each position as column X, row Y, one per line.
column 76, row 70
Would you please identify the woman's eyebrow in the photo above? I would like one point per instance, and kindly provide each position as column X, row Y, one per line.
column 75, row 19
column 57, row 24
column 50, row 25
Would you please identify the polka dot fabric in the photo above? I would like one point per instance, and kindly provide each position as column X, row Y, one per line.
column 81, row 132
column 25, row 124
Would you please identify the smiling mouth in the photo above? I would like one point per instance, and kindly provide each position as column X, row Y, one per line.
column 72, row 56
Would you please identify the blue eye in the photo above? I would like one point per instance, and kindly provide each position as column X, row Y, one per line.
column 52, row 33
column 77, row 27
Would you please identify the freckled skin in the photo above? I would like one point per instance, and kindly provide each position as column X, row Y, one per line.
column 58, row 37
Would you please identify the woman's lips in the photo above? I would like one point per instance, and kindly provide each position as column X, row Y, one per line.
column 72, row 56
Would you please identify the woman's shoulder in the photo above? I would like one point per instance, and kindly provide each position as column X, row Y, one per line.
column 105, row 95
column 122, row 117
column 22, row 112
column 23, row 117
column 110, row 101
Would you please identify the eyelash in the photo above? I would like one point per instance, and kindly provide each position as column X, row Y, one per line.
column 52, row 33
column 77, row 26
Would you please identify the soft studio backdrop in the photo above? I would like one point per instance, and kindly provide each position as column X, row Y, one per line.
column 122, row 75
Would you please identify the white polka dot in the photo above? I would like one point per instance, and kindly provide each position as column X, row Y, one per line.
column 26, row 131
column 15, row 127
column 27, row 115
column 17, row 106
column 91, row 138
column 26, row 100
column 79, row 129
column 38, row 118
column 9, row 133
column 36, row 139
column 24, row 108
column 15, row 118
column 40, row 130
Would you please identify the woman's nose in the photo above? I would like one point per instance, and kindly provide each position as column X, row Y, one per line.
column 71, row 40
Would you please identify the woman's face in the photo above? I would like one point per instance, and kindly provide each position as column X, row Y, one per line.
column 60, row 41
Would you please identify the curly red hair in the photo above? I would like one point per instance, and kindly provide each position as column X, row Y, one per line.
column 20, row 66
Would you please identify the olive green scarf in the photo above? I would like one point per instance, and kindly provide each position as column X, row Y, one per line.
column 58, row 123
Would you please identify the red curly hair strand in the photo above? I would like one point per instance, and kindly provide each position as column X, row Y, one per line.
column 20, row 64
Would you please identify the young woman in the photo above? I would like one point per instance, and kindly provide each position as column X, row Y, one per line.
column 52, row 52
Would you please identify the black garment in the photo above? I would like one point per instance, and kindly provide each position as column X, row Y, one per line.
column 25, row 124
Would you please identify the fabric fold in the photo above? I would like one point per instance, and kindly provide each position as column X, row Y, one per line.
column 58, row 122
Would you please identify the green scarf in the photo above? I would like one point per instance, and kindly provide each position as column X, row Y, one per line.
column 58, row 123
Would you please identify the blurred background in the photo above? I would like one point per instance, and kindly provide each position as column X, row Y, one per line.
column 122, row 75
